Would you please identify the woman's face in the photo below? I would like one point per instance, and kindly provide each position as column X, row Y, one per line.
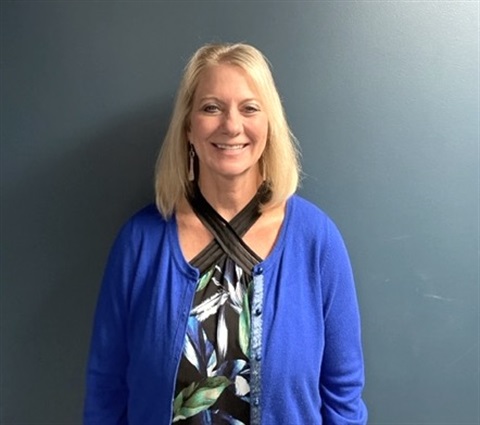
column 228, row 125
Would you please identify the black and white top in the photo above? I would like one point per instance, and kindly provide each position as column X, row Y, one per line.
column 213, row 380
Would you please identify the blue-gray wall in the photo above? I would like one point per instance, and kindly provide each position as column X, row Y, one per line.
column 384, row 98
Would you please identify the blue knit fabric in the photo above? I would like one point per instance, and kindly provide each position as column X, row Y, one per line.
column 311, row 360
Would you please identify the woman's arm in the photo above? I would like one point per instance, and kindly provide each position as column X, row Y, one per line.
column 342, row 373
column 106, row 387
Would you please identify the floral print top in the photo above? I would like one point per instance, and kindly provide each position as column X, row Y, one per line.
column 213, row 380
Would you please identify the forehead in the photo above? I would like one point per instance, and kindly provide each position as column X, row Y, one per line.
column 226, row 79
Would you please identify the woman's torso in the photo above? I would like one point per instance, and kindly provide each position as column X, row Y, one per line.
column 290, row 311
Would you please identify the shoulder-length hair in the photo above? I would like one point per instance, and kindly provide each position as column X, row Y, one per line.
column 279, row 163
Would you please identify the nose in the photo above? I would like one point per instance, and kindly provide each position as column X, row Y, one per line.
column 232, row 123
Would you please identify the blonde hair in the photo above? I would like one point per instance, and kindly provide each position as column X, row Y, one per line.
column 280, row 160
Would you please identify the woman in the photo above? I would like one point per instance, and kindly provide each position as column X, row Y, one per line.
column 232, row 300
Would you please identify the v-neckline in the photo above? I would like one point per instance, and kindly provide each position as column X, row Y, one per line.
column 227, row 241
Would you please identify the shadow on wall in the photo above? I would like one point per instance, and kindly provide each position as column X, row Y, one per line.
column 60, row 221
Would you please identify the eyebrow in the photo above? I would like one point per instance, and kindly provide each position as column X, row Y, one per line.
column 205, row 98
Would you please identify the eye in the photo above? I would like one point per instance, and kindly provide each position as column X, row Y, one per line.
column 251, row 109
column 210, row 108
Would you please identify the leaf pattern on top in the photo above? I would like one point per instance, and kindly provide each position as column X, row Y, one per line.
column 198, row 397
column 225, row 418
column 234, row 293
column 227, row 289
column 210, row 306
column 244, row 326
column 198, row 349
column 242, row 386
column 203, row 281
column 222, row 334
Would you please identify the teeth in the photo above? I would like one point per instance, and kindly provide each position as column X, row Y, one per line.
column 229, row 147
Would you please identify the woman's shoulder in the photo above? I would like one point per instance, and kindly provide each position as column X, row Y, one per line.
column 315, row 228
column 304, row 209
column 148, row 214
column 309, row 218
column 145, row 221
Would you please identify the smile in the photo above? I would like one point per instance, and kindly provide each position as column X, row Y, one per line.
column 229, row 147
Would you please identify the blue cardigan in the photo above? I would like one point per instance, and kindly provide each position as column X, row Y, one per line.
column 306, row 360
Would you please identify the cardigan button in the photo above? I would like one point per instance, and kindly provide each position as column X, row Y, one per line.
column 258, row 271
column 258, row 311
column 258, row 357
column 256, row 401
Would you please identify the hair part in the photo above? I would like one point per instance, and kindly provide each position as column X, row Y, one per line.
column 279, row 163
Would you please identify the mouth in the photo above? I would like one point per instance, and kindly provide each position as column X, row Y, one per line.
column 226, row 147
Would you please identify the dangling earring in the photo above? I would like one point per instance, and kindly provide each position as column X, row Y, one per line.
column 191, row 167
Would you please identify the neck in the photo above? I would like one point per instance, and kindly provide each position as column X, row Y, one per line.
column 228, row 198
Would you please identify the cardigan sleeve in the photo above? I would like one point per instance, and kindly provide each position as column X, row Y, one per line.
column 342, row 372
column 106, row 387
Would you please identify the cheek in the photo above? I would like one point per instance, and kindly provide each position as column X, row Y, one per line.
column 263, row 132
column 198, row 129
